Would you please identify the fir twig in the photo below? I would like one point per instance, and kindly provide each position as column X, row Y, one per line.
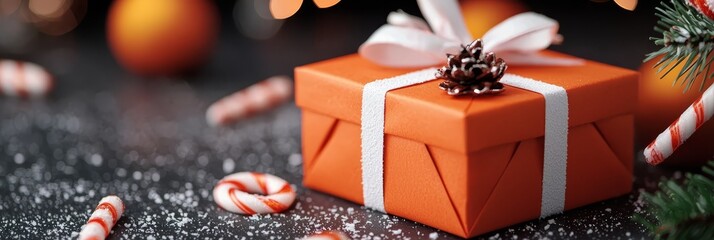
column 687, row 40
column 683, row 211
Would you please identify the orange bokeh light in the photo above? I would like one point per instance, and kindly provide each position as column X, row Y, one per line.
column 282, row 9
column 325, row 3
column 49, row 8
column 627, row 4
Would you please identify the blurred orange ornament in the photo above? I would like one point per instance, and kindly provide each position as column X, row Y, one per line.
column 162, row 37
column 482, row 15
column 660, row 104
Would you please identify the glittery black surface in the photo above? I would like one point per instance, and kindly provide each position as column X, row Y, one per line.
column 155, row 151
column 104, row 131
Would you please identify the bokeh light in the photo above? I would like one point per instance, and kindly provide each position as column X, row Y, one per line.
column 24, row 23
column 624, row 4
column 8, row 7
column 262, row 8
column 49, row 8
column 627, row 4
column 282, row 9
column 254, row 20
column 54, row 17
column 325, row 3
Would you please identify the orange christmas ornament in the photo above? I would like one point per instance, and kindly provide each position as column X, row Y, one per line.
column 660, row 104
column 482, row 15
column 161, row 37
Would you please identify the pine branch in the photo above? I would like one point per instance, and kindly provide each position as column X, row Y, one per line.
column 687, row 40
column 683, row 211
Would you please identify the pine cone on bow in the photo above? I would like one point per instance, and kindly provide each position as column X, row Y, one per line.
column 472, row 71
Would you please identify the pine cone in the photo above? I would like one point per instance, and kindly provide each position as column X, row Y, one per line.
column 472, row 71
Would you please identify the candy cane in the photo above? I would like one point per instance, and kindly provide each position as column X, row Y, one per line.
column 257, row 98
column 233, row 193
column 691, row 119
column 103, row 218
column 24, row 79
column 328, row 235
column 705, row 7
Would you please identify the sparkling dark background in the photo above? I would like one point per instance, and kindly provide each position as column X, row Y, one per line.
column 105, row 131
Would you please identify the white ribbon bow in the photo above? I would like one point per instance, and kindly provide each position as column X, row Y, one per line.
column 406, row 40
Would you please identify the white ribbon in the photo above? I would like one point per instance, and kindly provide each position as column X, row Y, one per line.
column 407, row 42
column 373, row 99
column 555, row 153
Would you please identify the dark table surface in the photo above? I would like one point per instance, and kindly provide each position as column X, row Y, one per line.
column 104, row 131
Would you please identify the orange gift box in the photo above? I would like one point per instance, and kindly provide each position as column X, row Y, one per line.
column 467, row 165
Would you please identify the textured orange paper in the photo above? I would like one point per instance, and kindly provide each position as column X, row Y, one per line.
column 467, row 165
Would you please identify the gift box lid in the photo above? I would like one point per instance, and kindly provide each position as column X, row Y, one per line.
column 465, row 124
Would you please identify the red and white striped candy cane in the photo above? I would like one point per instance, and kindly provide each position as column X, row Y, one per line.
column 103, row 218
column 328, row 235
column 24, row 79
column 235, row 193
column 705, row 7
column 255, row 99
column 681, row 129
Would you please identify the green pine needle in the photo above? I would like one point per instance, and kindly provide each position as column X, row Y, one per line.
column 681, row 211
column 687, row 40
